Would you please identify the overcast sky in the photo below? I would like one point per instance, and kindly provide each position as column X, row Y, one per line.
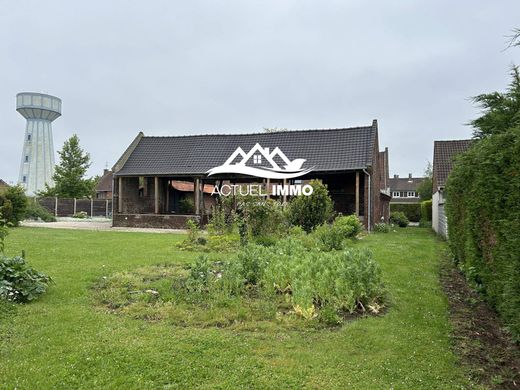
column 192, row 67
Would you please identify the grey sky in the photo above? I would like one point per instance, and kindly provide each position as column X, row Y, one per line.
column 191, row 67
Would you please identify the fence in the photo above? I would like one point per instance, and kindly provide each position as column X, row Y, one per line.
column 67, row 207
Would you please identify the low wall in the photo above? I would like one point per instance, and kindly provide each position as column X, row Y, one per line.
column 152, row 221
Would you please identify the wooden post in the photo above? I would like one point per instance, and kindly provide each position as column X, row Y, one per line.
column 120, row 196
column 196, row 191
column 106, row 208
column 156, row 193
column 267, row 188
column 167, row 197
column 357, row 194
column 284, row 193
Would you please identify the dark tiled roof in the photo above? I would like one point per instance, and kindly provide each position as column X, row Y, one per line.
column 3, row 183
column 105, row 183
column 443, row 154
column 405, row 184
column 325, row 150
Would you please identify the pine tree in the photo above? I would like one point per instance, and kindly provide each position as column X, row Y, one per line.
column 69, row 175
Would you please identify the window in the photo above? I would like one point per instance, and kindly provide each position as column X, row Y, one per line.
column 257, row 159
column 411, row 194
column 24, row 179
column 28, row 137
column 26, row 158
column 396, row 194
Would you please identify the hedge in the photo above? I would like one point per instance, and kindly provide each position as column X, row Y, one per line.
column 426, row 210
column 411, row 210
column 483, row 209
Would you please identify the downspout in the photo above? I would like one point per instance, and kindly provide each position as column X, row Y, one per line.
column 369, row 198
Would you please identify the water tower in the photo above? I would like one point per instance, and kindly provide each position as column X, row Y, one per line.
column 37, row 166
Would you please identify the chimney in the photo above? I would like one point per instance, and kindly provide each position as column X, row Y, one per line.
column 396, row 176
column 409, row 177
column 105, row 171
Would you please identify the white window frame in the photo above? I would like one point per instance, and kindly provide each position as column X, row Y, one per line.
column 396, row 194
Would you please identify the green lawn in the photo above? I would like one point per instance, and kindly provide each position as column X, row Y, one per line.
column 64, row 341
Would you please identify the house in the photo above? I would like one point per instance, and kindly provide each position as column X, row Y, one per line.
column 444, row 153
column 3, row 185
column 104, row 186
column 405, row 190
column 347, row 160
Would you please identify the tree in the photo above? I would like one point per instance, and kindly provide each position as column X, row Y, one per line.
column 426, row 187
column 13, row 204
column 501, row 109
column 69, row 175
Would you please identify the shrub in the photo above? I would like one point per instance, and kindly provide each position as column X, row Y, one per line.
column 333, row 236
column 311, row 211
column 13, row 203
column 36, row 211
column 412, row 211
column 19, row 282
column 426, row 211
column 186, row 205
column 399, row 219
column 264, row 217
column 382, row 228
column 80, row 215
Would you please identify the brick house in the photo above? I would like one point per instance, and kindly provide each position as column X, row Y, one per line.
column 347, row 160
column 104, row 186
column 444, row 153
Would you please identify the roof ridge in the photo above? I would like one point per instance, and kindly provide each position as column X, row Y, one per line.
column 258, row 133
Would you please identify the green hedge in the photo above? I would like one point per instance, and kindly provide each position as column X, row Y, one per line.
column 426, row 210
column 483, row 209
column 411, row 210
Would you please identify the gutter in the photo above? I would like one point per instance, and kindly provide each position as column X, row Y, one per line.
column 369, row 199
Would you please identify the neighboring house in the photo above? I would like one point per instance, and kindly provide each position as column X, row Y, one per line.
column 104, row 186
column 405, row 190
column 347, row 160
column 3, row 185
column 444, row 153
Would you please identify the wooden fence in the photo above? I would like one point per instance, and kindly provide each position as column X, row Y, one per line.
column 67, row 207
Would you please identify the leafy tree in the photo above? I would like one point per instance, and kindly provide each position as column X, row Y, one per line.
column 425, row 188
column 501, row 109
column 69, row 176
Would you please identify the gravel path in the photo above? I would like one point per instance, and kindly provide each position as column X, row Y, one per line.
column 98, row 225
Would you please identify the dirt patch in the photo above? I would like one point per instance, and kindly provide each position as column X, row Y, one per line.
column 484, row 347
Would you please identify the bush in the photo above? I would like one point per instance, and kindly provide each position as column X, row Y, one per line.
column 80, row 215
column 36, row 211
column 382, row 228
column 398, row 218
column 311, row 211
column 426, row 211
column 333, row 236
column 4, row 232
column 264, row 217
column 13, row 203
column 186, row 206
column 19, row 282
column 412, row 211
column 483, row 198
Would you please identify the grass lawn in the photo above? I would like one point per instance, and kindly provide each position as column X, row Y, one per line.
column 64, row 341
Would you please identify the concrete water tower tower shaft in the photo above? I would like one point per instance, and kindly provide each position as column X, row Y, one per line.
column 37, row 165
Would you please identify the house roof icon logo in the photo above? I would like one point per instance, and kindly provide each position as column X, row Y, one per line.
column 289, row 169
